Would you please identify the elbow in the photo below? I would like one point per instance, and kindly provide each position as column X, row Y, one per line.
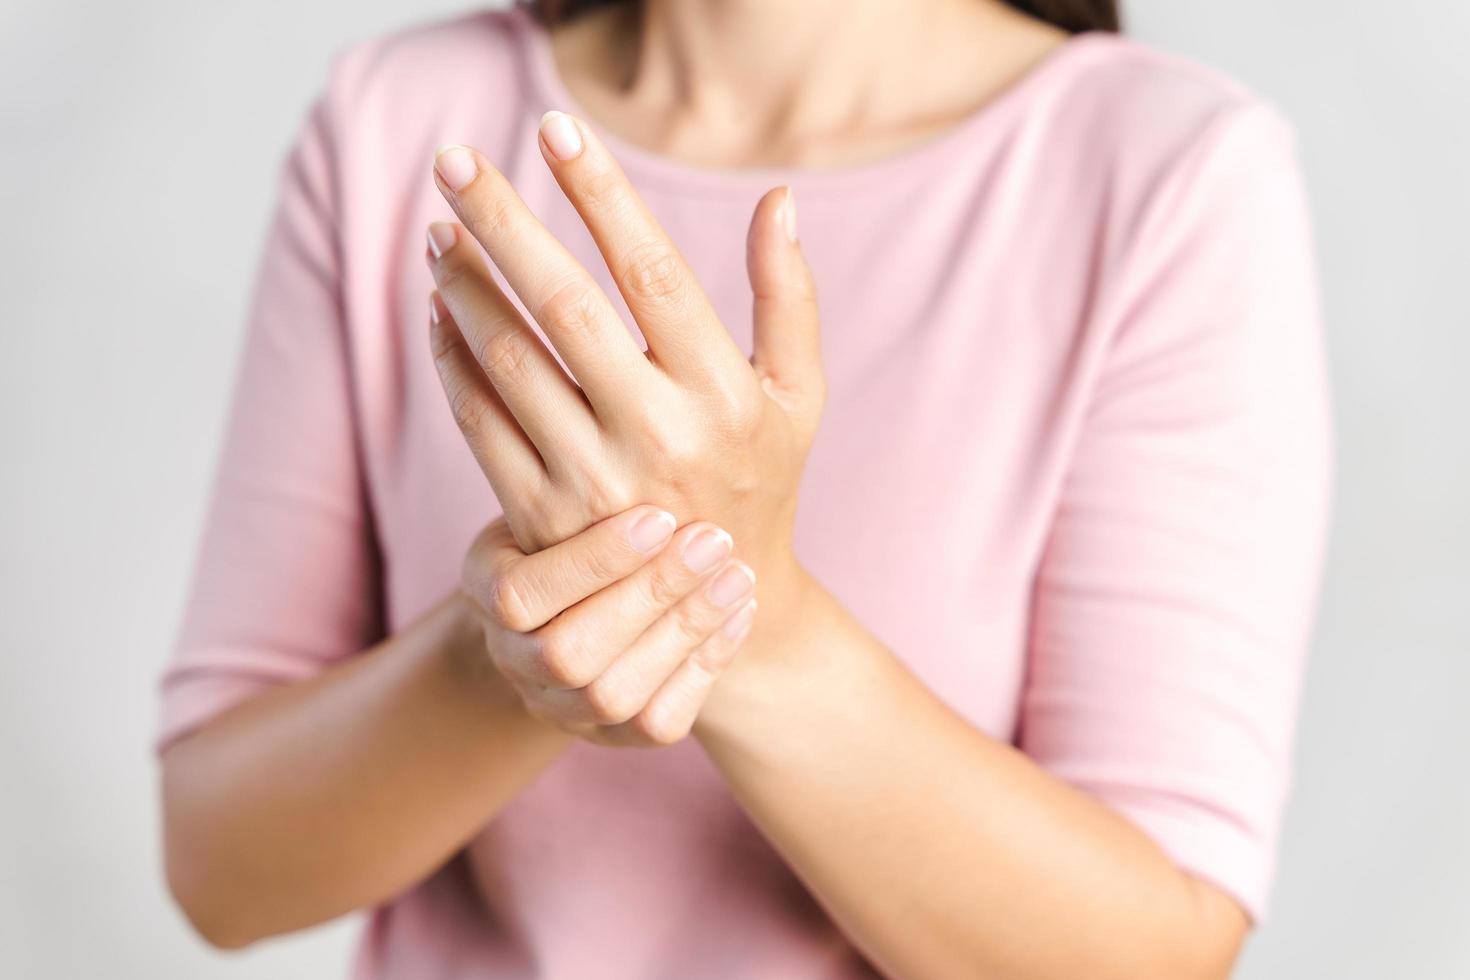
column 1183, row 955
column 197, row 881
column 1216, row 961
column 1196, row 967
column 1199, row 966
column 202, row 911
column 195, row 891
column 1209, row 945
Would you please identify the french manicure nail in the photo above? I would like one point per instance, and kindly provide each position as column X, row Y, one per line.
column 456, row 167
column 651, row 530
column 437, row 309
column 442, row 237
column 563, row 137
column 707, row 550
column 788, row 215
column 738, row 625
column 731, row 584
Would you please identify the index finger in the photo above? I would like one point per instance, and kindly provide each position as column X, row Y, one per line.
column 672, row 309
column 524, row 592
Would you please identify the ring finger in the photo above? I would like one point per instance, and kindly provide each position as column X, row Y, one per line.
column 547, row 404
column 625, row 688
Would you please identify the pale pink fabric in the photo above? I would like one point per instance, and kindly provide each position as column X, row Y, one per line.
column 1073, row 471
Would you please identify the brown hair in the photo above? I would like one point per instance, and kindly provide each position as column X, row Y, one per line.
column 1070, row 15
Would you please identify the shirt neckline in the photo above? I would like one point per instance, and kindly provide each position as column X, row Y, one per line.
column 648, row 167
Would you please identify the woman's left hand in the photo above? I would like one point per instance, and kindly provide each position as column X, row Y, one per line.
column 688, row 425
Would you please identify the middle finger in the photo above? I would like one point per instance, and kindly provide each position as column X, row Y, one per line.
column 576, row 316
column 684, row 333
column 548, row 407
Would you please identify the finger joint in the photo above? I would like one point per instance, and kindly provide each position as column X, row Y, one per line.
column 564, row 658
column 572, row 310
column 507, row 605
column 654, row 276
column 609, row 702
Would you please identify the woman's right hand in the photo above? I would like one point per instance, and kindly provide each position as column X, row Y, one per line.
column 617, row 634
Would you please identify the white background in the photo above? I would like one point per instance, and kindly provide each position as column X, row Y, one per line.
column 139, row 144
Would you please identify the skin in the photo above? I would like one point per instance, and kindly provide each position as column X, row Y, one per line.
column 976, row 863
column 275, row 813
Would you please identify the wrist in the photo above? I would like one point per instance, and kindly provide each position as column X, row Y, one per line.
column 775, row 660
column 785, row 591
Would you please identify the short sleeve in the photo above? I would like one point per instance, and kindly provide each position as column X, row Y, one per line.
column 285, row 580
column 1174, row 599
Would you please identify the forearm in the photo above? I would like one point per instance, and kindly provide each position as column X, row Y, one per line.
column 939, row 851
column 334, row 794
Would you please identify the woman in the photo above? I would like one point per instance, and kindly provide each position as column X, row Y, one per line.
column 1018, row 694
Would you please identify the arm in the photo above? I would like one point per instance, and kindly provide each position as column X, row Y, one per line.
column 941, row 852
column 277, row 812
column 290, row 753
column 938, row 850
column 1170, row 616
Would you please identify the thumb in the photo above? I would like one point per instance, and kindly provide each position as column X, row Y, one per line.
column 787, row 353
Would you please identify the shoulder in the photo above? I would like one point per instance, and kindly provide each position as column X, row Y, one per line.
column 1142, row 102
column 1139, row 125
column 435, row 75
column 1161, row 142
column 390, row 101
column 484, row 44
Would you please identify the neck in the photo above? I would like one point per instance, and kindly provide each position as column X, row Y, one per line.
column 761, row 81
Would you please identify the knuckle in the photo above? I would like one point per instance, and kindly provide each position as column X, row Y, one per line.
column 609, row 702
column 448, row 272
column 443, row 339
column 690, row 622
column 594, row 564
column 713, row 656
column 504, row 355
column 571, row 309
column 563, row 658
column 657, row 727
column 609, row 495
column 552, row 517
column 482, row 557
column 603, row 190
column 507, row 606
column 653, row 276
column 493, row 216
column 467, row 409
column 736, row 408
column 665, row 585
column 600, row 489
column 679, row 445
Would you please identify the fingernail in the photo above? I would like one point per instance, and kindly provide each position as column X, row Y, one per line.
column 731, row 584
column 738, row 625
column 707, row 550
column 442, row 237
column 437, row 310
column 651, row 531
column 787, row 214
column 561, row 134
column 456, row 167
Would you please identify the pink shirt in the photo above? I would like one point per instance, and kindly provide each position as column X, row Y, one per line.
column 1073, row 471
